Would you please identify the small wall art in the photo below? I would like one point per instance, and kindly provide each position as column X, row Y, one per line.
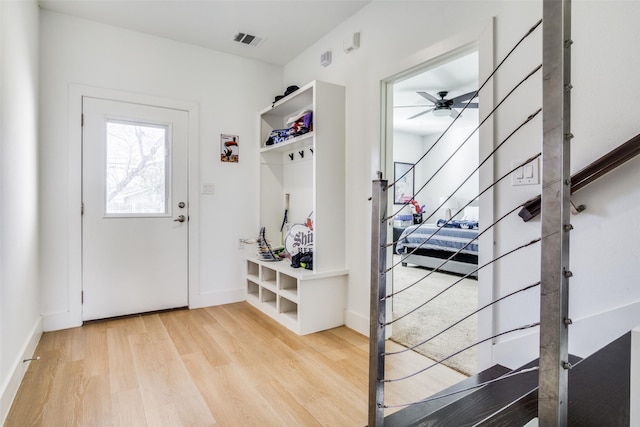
column 229, row 148
column 403, row 177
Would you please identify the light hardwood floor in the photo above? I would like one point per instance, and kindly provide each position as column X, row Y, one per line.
column 225, row 366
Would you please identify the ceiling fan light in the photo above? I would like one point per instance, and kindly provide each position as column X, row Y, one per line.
column 441, row 112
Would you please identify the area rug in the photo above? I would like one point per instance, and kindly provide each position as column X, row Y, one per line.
column 446, row 309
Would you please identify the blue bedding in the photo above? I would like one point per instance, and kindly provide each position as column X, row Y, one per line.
column 446, row 239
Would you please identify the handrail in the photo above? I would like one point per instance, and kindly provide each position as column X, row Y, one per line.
column 588, row 174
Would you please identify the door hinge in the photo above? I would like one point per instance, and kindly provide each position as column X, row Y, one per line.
column 81, row 119
column 81, row 297
column 82, row 209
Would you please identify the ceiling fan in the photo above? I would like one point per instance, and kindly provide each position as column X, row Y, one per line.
column 444, row 107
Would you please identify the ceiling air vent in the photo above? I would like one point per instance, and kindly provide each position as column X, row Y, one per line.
column 248, row 39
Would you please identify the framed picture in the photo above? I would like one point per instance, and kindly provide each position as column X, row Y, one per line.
column 229, row 148
column 403, row 176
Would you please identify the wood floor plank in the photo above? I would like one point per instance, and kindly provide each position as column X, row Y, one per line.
column 189, row 336
column 123, row 377
column 218, row 366
column 96, row 403
column 326, row 378
column 35, row 390
column 328, row 414
column 94, row 339
column 128, row 409
column 164, row 381
column 291, row 413
column 234, row 401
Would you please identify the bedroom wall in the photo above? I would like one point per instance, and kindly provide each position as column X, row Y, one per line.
column 20, row 323
column 228, row 90
column 394, row 37
column 409, row 147
column 455, row 171
column 406, row 149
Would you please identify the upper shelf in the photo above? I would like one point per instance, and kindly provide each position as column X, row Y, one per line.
column 277, row 117
column 295, row 102
column 298, row 141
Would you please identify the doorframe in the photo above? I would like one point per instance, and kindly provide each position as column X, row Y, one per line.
column 481, row 38
column 73, row 315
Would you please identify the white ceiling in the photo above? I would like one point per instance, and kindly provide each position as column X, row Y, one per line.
column 289, row 27
column 458, row 76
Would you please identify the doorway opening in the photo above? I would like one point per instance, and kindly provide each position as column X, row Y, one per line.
column 433, row 131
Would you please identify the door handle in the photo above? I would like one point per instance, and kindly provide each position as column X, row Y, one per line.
column 180, row 218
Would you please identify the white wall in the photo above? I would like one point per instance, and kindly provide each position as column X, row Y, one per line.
column 445, row 178
column 228, row 91
column 406, row 149
column 409, row 147
column 20, row 324
column 394, row 37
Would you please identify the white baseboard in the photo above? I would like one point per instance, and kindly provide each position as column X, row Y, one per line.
column 357, row 322
column 59, row 321
column 634, row 395
column 587, row 335
column 217, row 298
column 515, row 352
column 14, row 379
column 68, row 319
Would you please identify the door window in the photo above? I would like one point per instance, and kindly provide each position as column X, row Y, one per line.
column 137, row 169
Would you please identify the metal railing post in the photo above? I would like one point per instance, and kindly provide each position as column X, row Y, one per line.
column 377, row 315
column 556, row 187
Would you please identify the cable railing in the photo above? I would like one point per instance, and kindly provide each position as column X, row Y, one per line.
column 556, row 248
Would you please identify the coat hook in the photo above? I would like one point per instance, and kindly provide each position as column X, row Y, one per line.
column 291, row 156
column 311, row 149
column 301, row 154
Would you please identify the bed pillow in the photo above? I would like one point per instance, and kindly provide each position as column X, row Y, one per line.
column 454, row 223
column 471, row 213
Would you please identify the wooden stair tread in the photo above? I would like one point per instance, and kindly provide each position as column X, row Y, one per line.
column 599, row 388
column 415, row 414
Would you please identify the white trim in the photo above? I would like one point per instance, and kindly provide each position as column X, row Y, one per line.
column 440, row 52
column 72, row 316
column 480, row 37
column 486, row 277
column 357, row 322
column 18, row 369
column 227, row 296
column 515, row 352
column 587, row 336
column 634, row 394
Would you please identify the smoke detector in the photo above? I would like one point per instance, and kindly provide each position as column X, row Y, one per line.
column 248, row 39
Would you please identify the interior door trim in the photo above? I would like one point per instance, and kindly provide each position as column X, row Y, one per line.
column 72, row 316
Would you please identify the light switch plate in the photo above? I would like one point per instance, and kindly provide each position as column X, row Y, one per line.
column 528, row 174
column 207, row 188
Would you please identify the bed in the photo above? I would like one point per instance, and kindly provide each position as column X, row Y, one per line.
column 429, row 245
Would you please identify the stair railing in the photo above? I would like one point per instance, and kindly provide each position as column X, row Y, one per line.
column 585, row 176
column 553, row 241
column 556, row 189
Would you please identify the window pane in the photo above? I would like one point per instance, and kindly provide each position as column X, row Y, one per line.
column 136, row 178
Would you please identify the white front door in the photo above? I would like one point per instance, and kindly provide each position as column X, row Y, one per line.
column 135, row 221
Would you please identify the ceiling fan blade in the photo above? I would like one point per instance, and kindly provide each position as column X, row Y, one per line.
column 428, row 96
column 420, row 114
column 462, row 104
column 412, row 106
column 464, row 97
column 454, row 113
